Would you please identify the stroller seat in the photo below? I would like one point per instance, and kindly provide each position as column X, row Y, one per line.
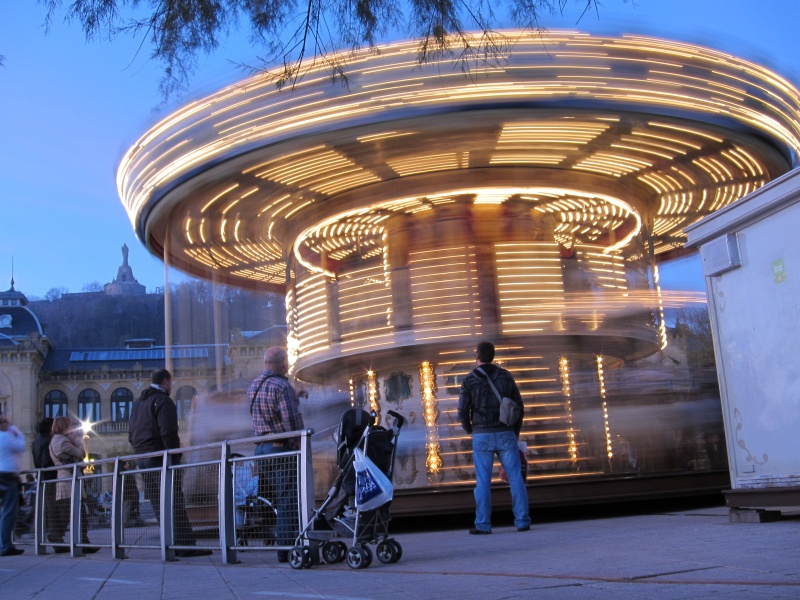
column 256, row 515
column 255, row 520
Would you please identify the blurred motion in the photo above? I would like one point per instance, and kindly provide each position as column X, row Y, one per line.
column 540, row 205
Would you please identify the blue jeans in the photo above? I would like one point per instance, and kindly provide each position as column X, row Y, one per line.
column 9, row 505
column 484, row 447
column 281, row 489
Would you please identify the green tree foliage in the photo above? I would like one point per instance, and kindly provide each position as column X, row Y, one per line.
column 289, row 32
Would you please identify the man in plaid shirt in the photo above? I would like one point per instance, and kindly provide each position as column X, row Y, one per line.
column 275, row 409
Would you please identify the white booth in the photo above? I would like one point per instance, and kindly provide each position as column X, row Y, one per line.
column 751, row 261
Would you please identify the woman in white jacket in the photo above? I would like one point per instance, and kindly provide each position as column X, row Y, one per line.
column 12, row 445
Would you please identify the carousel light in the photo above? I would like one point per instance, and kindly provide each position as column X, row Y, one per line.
column 606, row 423
column 430, row 412
column 566, row 390
column 372, row 393
column 662, row 326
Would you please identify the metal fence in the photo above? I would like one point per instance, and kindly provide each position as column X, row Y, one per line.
column 218, row 496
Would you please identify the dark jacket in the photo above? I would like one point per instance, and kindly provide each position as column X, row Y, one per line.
column 479, row 407
column 40, row 448
column 154, row 423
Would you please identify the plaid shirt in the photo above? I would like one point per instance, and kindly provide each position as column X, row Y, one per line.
column 276, row 408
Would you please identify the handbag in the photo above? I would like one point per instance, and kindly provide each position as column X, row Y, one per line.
column 510, row 411
column 373, row 488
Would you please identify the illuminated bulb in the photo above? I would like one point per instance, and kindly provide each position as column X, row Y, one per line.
column 430, row 412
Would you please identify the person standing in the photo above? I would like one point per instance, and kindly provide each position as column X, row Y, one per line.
column 275, row 408
column 40, row 449
column 12, row 446
column 66, row 448
column 153, row 427
column 131, row 516
column 479, row 413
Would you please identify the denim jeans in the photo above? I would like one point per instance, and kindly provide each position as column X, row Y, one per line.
column 484, row 447
column 9, row 505
column 279, row 488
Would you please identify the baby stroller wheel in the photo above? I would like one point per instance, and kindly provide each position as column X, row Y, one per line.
column 388, row 551
column 334, row 552
column 398, row 550
column 300, row 557
column 368, row 552
column 359, row 557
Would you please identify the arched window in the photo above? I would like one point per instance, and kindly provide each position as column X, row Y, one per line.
column 55, row 404
column 183, row 400
column 89, row 406
column 121, row 404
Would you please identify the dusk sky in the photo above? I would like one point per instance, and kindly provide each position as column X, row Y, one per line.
column 70, row 109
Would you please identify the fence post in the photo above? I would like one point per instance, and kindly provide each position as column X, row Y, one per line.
column 227, row 521
column 306, row 478
column 167, row 500
column 117, row 512
column 39, row 528
column 76, row 507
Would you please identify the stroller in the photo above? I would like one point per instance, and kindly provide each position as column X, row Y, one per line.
column 255, row 515
column 338, row 515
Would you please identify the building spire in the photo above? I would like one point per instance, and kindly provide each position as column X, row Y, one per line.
column 12, row 274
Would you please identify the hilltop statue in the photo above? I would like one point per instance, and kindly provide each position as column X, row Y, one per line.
column 125, row 283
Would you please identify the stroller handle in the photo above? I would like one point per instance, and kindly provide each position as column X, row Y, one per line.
column 401, row 420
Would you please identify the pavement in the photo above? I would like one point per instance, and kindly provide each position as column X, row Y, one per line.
column 693, row 553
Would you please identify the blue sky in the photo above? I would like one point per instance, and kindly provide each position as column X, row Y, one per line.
column 69, row 109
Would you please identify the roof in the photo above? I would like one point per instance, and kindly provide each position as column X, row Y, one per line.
column 17, row 321
column 93, row 359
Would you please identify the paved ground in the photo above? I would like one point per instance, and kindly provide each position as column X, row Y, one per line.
column 676, row 554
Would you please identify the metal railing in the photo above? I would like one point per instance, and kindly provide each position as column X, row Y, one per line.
column 218, row 496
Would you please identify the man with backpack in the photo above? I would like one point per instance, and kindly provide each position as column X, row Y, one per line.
column 484, row 391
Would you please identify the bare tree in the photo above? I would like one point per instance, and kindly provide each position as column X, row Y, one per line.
column 55, row 293
column 290, row 32
column 94, row 286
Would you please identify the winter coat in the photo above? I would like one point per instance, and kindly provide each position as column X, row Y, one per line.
column 40, row 449
column 154, row 423
column 479, row 407
column 66, row 450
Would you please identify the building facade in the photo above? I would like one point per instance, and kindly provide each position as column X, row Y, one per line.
column 98, row 385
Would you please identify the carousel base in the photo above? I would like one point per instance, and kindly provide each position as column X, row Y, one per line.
column 600, row 490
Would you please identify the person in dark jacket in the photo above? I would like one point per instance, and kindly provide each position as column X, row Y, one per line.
column 479, row 413
column 153, row 427
column 40, row 449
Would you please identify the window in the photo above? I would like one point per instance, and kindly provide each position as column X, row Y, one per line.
column 89, row 406
column 183, row 400
column 121, row 404
column 55, row 404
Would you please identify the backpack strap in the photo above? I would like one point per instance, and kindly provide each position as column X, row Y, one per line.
column 258, row 389
column 491, row 383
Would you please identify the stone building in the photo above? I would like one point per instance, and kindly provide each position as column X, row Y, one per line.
column 99, row 385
